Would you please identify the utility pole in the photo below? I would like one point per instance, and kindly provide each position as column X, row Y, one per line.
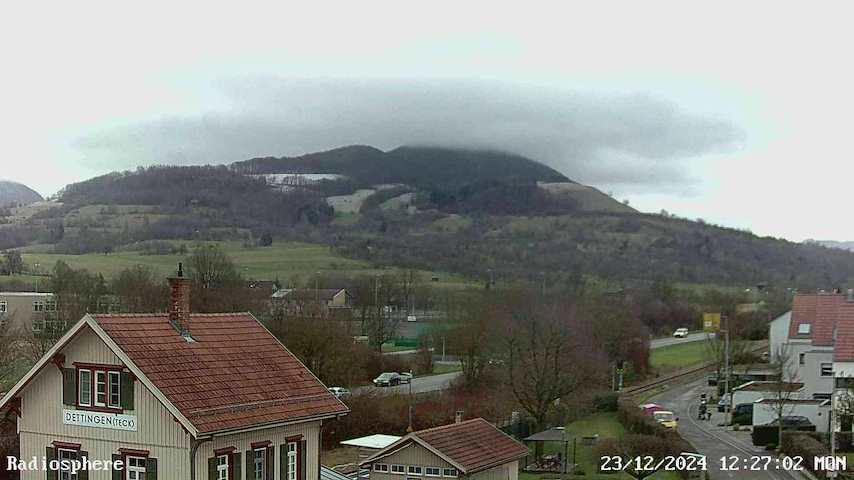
column 727, row 407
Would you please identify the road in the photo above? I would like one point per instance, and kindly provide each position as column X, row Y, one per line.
column 430, row 383
column 712, row 441
column 664, row 342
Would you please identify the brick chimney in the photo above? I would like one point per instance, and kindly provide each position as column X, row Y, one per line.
column 179, row 302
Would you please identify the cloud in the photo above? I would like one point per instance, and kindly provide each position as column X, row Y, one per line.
column 631, row 142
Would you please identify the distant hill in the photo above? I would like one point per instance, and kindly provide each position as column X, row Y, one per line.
column 416, row 166
column 17, row 193
column 844, row 245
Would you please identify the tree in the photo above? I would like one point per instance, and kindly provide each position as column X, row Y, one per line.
column 8, row 356
column 140, row 290
column 785, row 373
column 217, row 286
column 13, row 262
column 549, row 352
column 471, row 337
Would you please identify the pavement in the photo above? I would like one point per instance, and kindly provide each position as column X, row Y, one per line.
column 667, row 341
column 716, row 442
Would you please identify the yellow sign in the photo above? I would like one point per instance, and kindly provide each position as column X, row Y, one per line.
column 711, row 322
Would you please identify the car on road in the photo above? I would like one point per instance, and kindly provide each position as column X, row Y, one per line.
column 406, row 377
column 339, row 392
column 723, row 404
column 666, row 418
column 790, row 421
column 680, row 333
column 387, row 379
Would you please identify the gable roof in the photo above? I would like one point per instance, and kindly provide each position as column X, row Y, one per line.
column 819, row 311
column 470, row 446
column 235, row 375
column 843, row 350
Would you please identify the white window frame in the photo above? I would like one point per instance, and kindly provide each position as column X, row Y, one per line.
column 80, row 384
column 111, row 375
column 70, row 455
column 453, row 473
column 381, row 467
column 398, row 469
column 38, row 306
column 804, row 328
column 222, row 467
column 292, row 463
column 821, row 369
column 106, row 392
column 428, row 474
column 135, row 472
column 414, row 470
column 262, row 464
column 4, row 306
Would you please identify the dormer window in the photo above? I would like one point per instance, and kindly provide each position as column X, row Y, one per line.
column 99, row 387
column 804, row 329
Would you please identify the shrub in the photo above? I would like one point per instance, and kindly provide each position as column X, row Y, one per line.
column 805, row 446
column 607, row 402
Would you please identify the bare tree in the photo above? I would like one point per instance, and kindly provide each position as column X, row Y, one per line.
column 549, row 355
column 782, row 389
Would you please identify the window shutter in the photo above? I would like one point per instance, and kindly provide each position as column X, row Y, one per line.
column 250, row 464
column 212, row 468
column 271, row 463
column 236, row 471
column 283, row 461
column 50, row 454
column 127, row 390
column 151, row 469
column 69, row 386
column 117, row 473
column 301, row 459
column 82, row 474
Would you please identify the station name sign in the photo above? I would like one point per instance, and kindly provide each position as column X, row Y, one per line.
column 112, row 421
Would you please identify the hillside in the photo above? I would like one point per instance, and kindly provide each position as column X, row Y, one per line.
column 17, row 194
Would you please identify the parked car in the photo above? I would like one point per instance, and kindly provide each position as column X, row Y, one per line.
column 339, row 392
column 742, row 414
column 723, row 404
column 406, row 377
column 680, row 333
column 789, row 421
column 650, row 408
column 666, row 418
column 712, row 379
column 387, row 379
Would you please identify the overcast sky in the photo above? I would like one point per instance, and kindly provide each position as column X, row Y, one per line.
column 734, row 112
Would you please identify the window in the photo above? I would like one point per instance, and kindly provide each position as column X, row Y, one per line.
column 432, row 471
column 804, row 329
column 449, row 472
column 260, row 463
column 802, row 358
column 845, row 382
column 84, row 389
column 414, row 470
column 292, row 461
column 38, row 306
column 115, row 389
column 50, row 306
column 100, row 389
column 135, row 468
column 381, row 467
column 37, row 325
column 398, row 469
column 826, row 369
column 3, row 306
column 64, row 454
column 222, row 467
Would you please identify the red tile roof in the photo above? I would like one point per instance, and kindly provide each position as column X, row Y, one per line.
column 843, row 350
column 474, row 445
column 820, row 311
column 235, row 375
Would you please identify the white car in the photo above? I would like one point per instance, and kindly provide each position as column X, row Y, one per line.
column 680, row 333
column 339, row 392
column 406, row 377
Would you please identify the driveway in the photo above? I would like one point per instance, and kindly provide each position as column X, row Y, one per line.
column 712, row 441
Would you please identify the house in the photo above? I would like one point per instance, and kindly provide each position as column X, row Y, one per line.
column 323, row 301
column 22, row 312
column 778, row 334
column 474, row 449
column 758, row 390
column 185, row 396
column 817, row 411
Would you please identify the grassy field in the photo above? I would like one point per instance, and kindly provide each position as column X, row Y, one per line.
column 675, row 357
column 285, row 260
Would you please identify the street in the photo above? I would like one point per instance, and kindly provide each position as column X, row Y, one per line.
column 712, row 441
column 429, row 383
column 663, row 342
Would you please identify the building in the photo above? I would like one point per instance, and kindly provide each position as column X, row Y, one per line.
column 757, row 390
column 778, row 334
column 22, row 312
column 185, row 396
column 323, row 301
column 474, row 449
column 816, row 410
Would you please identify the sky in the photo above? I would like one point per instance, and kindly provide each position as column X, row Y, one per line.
column 734, row 112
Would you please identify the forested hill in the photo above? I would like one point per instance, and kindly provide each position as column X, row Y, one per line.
column 18, row 194
column 421, row 167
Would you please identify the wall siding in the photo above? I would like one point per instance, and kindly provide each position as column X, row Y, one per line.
column 417, row 455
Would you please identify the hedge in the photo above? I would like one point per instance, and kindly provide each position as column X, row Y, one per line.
column 803, row 445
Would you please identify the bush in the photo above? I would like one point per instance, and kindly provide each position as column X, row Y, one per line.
column 805, row 446
column 764, row 435
column 607, row 402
